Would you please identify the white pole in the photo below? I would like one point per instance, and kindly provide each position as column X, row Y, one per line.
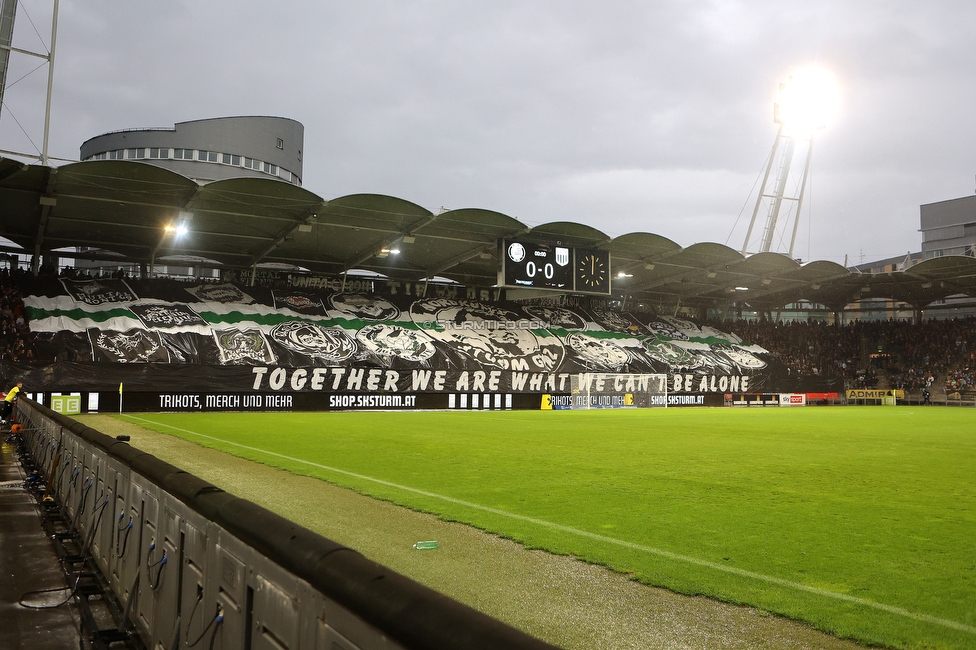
column 50, row 82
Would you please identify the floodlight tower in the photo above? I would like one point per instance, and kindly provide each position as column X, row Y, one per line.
column 801, row 109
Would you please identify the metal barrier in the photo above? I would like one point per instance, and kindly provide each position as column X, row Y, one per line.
column 193, row 564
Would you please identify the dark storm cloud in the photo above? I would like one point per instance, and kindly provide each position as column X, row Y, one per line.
column 624, row 115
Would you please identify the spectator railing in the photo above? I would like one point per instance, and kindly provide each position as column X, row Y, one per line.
column 232, row 569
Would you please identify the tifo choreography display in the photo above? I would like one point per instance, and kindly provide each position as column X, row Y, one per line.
column 95, row 334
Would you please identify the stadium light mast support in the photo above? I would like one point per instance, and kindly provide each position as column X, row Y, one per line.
column 801, row 110
column 50, row 83
column 8, row 12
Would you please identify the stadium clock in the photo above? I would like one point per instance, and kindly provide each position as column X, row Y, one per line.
column 592, row 271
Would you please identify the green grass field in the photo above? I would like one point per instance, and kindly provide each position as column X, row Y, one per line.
column 861, row 521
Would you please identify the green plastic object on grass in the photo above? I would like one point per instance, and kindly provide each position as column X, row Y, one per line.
column 423, row 546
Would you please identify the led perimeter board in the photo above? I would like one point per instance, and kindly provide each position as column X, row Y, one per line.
column 552, row 266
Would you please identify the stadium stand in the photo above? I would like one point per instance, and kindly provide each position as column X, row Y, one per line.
column 91, row 334
column 16, row 341
column 136, row 325
column 886, row 354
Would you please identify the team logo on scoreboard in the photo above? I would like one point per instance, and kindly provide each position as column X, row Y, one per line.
column 516, row 252
column 314, row 340
column 562, row 256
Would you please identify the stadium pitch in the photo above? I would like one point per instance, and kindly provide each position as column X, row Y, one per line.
column 861, row 521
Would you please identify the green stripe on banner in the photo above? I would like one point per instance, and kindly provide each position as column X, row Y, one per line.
column 79, row 314
column 237, row 317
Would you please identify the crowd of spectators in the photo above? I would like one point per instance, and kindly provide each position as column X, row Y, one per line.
column 865, row 354
column 16, row 340
column 962, row 378
column 909, row 356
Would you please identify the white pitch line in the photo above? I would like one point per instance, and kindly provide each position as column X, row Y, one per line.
column 891, row 609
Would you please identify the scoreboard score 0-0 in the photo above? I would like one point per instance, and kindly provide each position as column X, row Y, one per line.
column 552, row 266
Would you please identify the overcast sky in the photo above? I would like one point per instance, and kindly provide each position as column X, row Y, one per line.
column 628, row 116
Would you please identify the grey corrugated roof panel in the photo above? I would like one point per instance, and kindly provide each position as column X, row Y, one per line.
column 572, row 234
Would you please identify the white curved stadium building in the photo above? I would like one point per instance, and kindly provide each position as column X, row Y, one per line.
column 211, row 149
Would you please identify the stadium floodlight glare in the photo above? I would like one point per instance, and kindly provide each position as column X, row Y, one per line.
column 803, row 105
column 179, row 229
column 805, row 101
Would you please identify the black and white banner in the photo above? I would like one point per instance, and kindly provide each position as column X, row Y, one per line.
column 91, row 334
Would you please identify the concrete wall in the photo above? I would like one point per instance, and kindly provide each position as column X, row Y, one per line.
column 233, row 572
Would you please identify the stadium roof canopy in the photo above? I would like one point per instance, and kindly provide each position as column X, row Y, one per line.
column 121, row 209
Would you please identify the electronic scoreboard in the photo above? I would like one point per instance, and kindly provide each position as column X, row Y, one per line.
column 552, row 266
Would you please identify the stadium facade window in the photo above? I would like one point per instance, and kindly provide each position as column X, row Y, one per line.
column 281, row 144
column 203, row 155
